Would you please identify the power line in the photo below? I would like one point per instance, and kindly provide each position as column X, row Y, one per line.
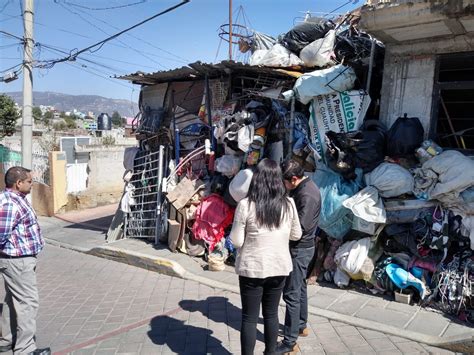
column 11, row 68
column 112, row 44
column 101, row 30
column 346, row 3
column 5, row 33
column 184, row 60
column 99, row 44
column 4, row 6
column 102, row 8
column 64, row 51
column 105, row 66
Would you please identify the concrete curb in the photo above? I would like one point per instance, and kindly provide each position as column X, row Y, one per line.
column 145, row 261
column 459, row 343
column 66, row 245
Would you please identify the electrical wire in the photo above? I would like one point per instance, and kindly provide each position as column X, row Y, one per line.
column 5, row 6
column 99, row 44
column 5, row 33
column 11, row 68
column 64, row 51
column 101, row 30
column 179, row 58
column 102, row 8
column 340, row 7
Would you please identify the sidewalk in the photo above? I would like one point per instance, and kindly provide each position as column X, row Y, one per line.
column 84, row 231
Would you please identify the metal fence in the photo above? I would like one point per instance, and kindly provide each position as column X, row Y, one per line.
column 143, row 220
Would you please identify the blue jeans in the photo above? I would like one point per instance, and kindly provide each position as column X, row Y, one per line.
column 295, row 294
column 253, row 292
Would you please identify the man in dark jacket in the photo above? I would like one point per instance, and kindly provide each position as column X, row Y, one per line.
column 308, row 203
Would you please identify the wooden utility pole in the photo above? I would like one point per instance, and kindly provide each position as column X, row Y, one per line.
column 27, row 121
column 230, row 29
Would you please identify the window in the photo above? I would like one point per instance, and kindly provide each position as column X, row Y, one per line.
column 454, row 90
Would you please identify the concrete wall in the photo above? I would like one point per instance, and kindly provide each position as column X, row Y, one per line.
column 408, row 88
column 105, row 177
column 414, row 33
column 57, row 163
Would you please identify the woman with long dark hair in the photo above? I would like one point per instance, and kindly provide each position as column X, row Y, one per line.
column 264, row 223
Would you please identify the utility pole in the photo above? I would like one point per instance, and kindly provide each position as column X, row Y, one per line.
column 27, row 122
column 230, row 29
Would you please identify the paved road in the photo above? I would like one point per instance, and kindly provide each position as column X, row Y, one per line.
column 91, row 305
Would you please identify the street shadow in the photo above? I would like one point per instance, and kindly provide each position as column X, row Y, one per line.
column 219, row 310
column 98, row 225
column 184, row 339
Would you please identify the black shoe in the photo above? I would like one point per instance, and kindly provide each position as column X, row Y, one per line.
column 44, row 351
column 283, row 348
column 5, row 348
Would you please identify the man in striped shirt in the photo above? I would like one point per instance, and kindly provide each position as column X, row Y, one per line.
column 20, row 243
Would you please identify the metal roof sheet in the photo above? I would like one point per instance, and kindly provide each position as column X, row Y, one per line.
column 198, row 71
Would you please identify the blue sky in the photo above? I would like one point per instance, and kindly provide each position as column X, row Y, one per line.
column 188, row 34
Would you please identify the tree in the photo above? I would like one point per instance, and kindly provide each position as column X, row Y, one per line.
column 8, row 116
column 37, row 114
column 117, row 119
column 70, row 122
column 48, row 116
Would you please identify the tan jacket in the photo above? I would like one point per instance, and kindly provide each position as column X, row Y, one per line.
column 262, row 252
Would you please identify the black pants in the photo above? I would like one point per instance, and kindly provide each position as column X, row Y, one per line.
column 253, row 292
column 295, row 294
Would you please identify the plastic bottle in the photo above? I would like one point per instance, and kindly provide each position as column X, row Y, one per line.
column 422, row 155
column 431, row 147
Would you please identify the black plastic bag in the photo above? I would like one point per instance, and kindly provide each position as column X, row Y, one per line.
column 151, row 120
column 353, row 46
column 370, row 152
column 304, row 33
column 398, row 238
column 404, row 137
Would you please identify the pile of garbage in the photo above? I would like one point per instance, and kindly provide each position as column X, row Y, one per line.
column 397, row 210
column 398, row 214
column 320, row 43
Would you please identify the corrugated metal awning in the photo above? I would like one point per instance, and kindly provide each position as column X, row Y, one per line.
column 198, row 71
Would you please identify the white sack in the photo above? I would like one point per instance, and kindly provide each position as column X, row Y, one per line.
column 367, row 205
column 277, row 56
column 322, row 82
column 317, row 53
column 455, row 174
column 257, row 56
column 390, row 180
column 351, row 255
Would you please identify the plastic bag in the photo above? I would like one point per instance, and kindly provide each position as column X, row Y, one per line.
column 335, row 219
column 405, row 136
column 367, row 205
column 351, row 255
column 304, row 33
column 322, row 82
column 390, row 180
column 257, row 56
column 228, row 165
column 279, row 56
column 317, row 53
column 370, row 151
